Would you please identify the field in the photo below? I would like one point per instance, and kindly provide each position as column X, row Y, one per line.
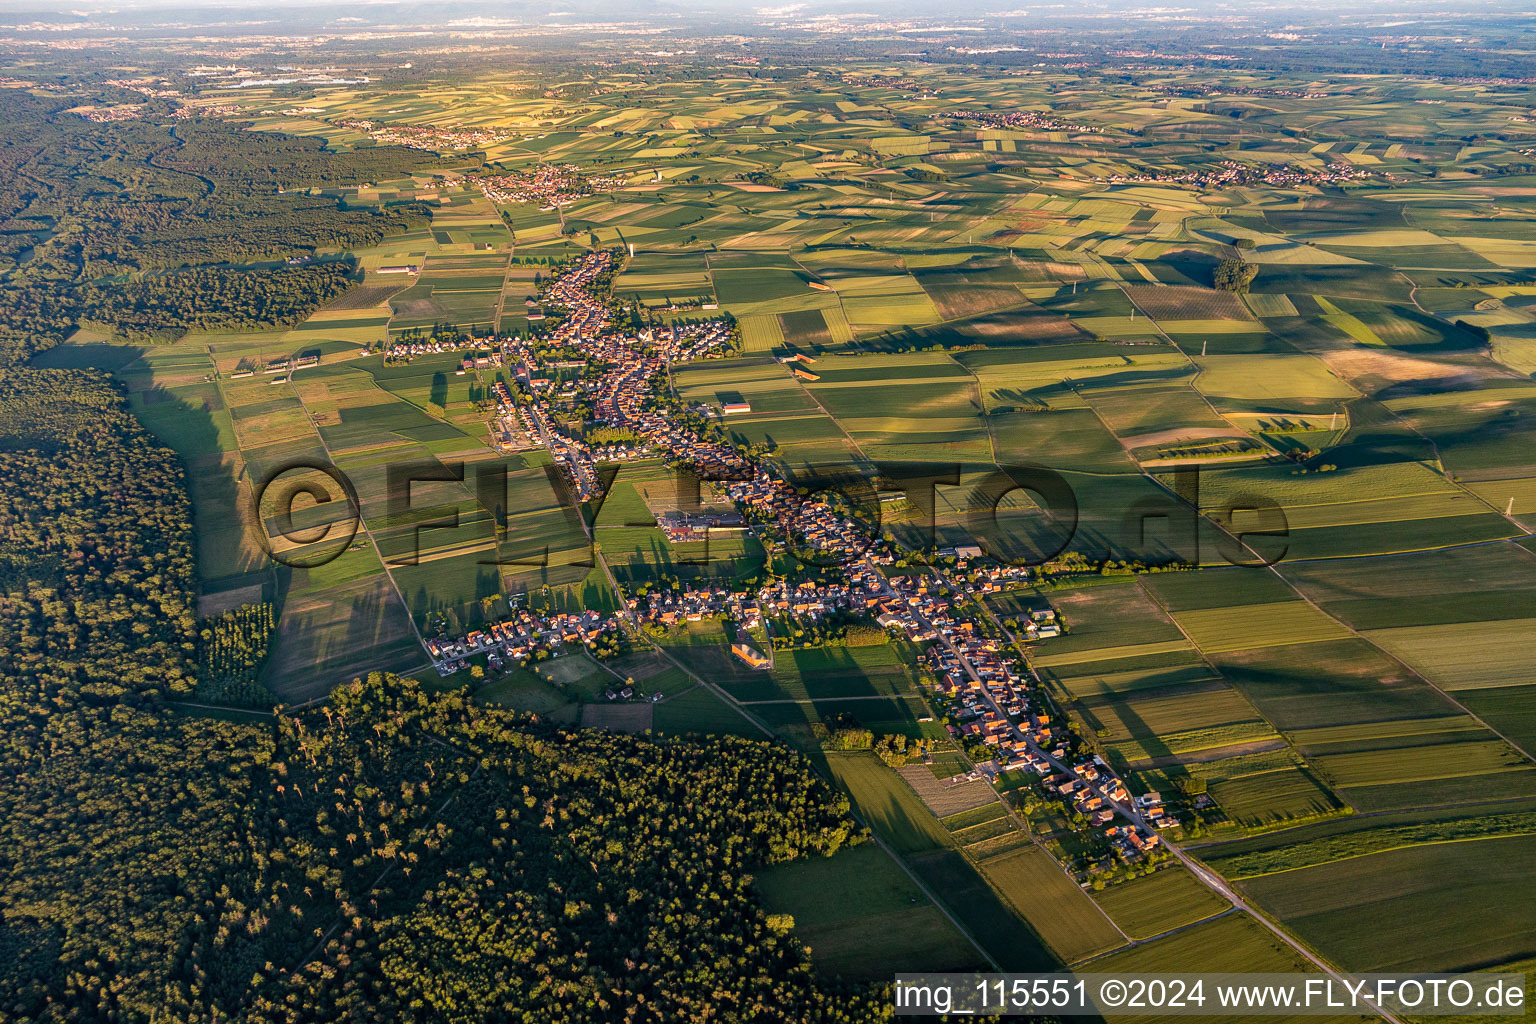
column 1445, row 907
column 1002, row 931
column 1158, row 903
column 829, row 674
column 987, row 902
column 1464, row 655
column 956, row 804
column 1424, row 590
column 1243, row 627
column 1346, row 839
column 698, row 710
column 861, row 915
column 1181, row 715
column 891, row 810
column 1229, row 943
column 1508, row 710
column 1233, row 942
column 526, row 691
column 335, row 635
column 1066, row 919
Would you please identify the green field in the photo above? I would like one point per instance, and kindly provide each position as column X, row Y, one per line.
column 890, row 809
column 1442, row 907
column 1053, row 904
column 698, row 710
column 1465, row 655
column 862, row 916
column 1157, row 903
column 1242, row 627
column 1230, row 943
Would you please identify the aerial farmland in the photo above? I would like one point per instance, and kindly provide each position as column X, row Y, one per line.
column 1094, row 482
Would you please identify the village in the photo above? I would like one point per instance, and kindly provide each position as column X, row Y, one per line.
column 1230, row 172
column 550, row 186
column 994, row 703
column 982, row 683
column 427, row 137
column 1020, row 120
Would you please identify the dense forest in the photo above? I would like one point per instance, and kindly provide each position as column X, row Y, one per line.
column 170, row 304
column 91, row 215
column 391, row 855
column 232, row 647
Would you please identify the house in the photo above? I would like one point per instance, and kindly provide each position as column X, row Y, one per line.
column 731, row 408
column 749, row 655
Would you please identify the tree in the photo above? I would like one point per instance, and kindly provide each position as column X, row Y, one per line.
column 1233, row 275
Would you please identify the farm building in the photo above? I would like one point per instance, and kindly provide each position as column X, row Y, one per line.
column 749, row 655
